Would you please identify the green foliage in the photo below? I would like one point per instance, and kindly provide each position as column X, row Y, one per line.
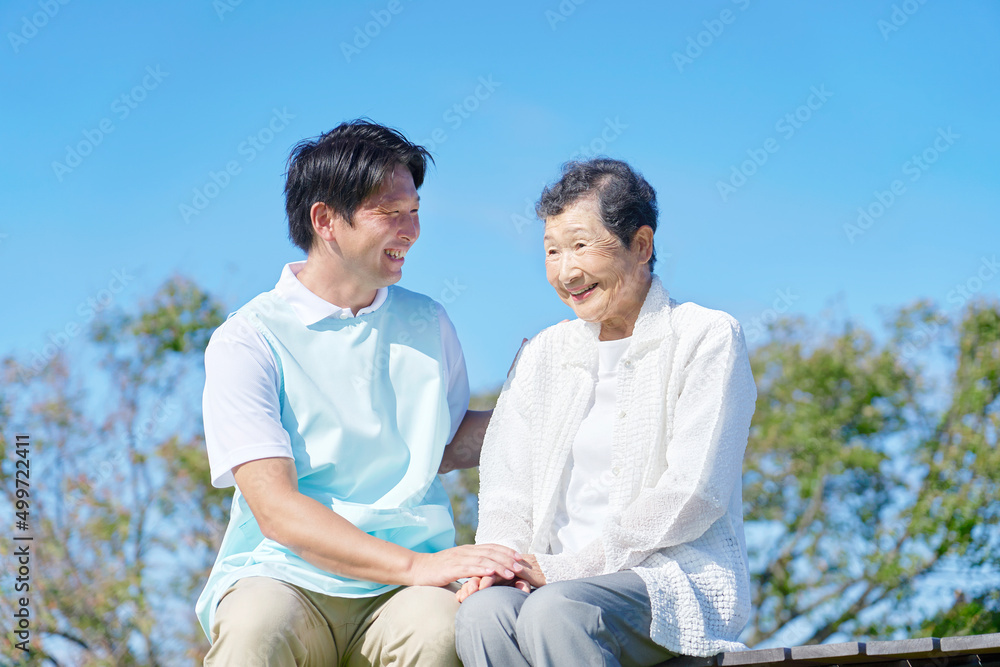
column 119, row 499
column 978, row 616
column 868, row 477
column 463, row 485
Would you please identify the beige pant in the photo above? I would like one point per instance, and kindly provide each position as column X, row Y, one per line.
column 262, row 621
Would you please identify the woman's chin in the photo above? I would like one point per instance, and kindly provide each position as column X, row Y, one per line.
column 588, row 315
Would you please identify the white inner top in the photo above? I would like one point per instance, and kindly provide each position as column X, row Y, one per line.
column 583, row 503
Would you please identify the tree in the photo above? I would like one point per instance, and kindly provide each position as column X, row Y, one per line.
column 463, row 485
column 978, row 616
column 119, row 498
column 869, row 474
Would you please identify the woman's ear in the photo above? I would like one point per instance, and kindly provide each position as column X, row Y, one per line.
column 642, row 244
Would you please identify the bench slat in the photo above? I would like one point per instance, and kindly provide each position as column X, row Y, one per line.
column 690, row 661
column 972, row 644
column 764, row 656
column 905, row 648
column 830, row 653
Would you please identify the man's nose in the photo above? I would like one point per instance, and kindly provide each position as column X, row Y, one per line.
column 409, row 228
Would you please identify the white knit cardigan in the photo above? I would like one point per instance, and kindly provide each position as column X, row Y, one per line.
column 684, row 398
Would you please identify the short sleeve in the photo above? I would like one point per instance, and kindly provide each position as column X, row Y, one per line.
column 455, row 371
column 241, row 407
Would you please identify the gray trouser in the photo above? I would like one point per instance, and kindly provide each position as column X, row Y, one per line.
column 588, row 622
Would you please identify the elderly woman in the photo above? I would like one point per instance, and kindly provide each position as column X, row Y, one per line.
column 613, row 460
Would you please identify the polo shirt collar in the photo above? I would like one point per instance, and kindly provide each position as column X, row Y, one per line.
column 309, row 307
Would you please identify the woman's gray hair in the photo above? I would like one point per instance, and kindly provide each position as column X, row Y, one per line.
column 625, row 200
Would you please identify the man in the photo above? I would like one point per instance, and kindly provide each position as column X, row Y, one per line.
column 328, row 402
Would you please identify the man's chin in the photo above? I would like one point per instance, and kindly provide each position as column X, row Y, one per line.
column 391, row 279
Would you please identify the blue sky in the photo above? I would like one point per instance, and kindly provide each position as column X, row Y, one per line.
column 117, row 116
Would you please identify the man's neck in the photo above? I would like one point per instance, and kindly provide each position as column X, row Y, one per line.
column 335, row 285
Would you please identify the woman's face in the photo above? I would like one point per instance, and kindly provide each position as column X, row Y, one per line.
column 593, row 272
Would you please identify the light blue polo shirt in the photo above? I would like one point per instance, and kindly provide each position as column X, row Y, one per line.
column 364, row 401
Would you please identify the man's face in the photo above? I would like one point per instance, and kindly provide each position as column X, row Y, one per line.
column 385, row 226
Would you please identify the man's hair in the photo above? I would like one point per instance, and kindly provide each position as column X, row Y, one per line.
column 625, row 200
column 342, row 168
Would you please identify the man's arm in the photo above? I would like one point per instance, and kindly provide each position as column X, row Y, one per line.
column 465, row 447
column 327, row 540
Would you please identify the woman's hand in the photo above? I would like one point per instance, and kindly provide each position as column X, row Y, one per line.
column 530, row 571
column 475, row 584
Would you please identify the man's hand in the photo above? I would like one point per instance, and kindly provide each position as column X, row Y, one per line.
column 332, row 543
column 470, row 560
column 475, row 584
column 528, row 576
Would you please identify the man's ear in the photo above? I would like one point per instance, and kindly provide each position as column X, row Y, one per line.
column 642, row 243
column 323, row 218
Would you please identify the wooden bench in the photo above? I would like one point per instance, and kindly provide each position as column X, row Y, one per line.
column 970, row 651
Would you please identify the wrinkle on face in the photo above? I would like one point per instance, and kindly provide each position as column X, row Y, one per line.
column 580, row 251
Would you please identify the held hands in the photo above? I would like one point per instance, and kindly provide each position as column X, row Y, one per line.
column 475, row 584
column 530, row 576
column 479, row 560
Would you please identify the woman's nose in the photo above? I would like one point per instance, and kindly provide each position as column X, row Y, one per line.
column 569, row 270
